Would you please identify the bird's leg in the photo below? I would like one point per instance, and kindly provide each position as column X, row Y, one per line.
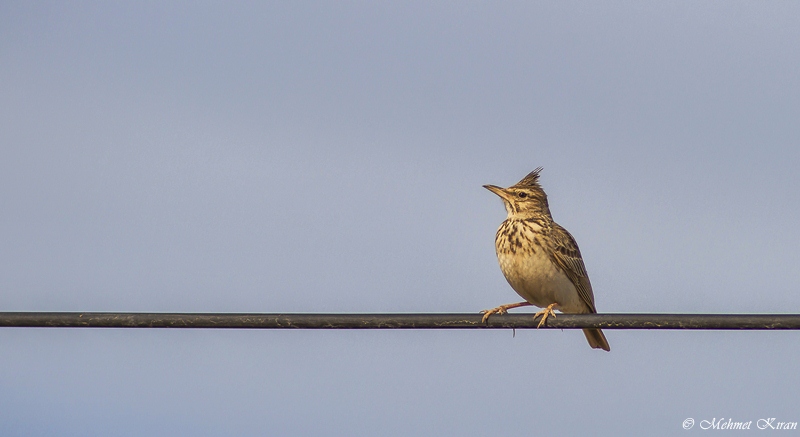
column 502, row 309
column 544, row 313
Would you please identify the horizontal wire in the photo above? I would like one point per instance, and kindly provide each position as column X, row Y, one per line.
column 393, row 321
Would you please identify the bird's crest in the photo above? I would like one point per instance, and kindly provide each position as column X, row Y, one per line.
column 531, row 180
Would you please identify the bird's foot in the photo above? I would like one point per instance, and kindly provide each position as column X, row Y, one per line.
column 502, row 309
column 499, row 310
column 545, row 312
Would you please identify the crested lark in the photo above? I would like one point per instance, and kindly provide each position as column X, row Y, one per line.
column 540, row 259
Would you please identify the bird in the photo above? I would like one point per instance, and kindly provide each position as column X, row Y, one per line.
column 540, row 259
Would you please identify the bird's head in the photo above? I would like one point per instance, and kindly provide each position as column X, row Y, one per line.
column 524, row 199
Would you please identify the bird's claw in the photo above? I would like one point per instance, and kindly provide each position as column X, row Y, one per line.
column 545, row 312
column 487, row 313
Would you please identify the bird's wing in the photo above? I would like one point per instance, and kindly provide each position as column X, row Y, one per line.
column 567, row 256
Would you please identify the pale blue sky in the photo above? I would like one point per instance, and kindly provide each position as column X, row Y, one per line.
column 329, row 157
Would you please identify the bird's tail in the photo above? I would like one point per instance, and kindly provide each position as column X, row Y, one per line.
column 596, row 339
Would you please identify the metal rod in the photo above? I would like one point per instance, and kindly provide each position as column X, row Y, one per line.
column 393, row 321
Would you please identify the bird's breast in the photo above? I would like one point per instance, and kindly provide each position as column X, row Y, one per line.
column 528, row 267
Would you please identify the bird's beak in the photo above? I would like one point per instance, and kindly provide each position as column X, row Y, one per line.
column 499, row 191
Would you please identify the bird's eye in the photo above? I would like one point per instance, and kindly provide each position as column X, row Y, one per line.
column 522, row 195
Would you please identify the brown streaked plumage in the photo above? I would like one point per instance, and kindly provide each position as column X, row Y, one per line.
column 540, row 259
